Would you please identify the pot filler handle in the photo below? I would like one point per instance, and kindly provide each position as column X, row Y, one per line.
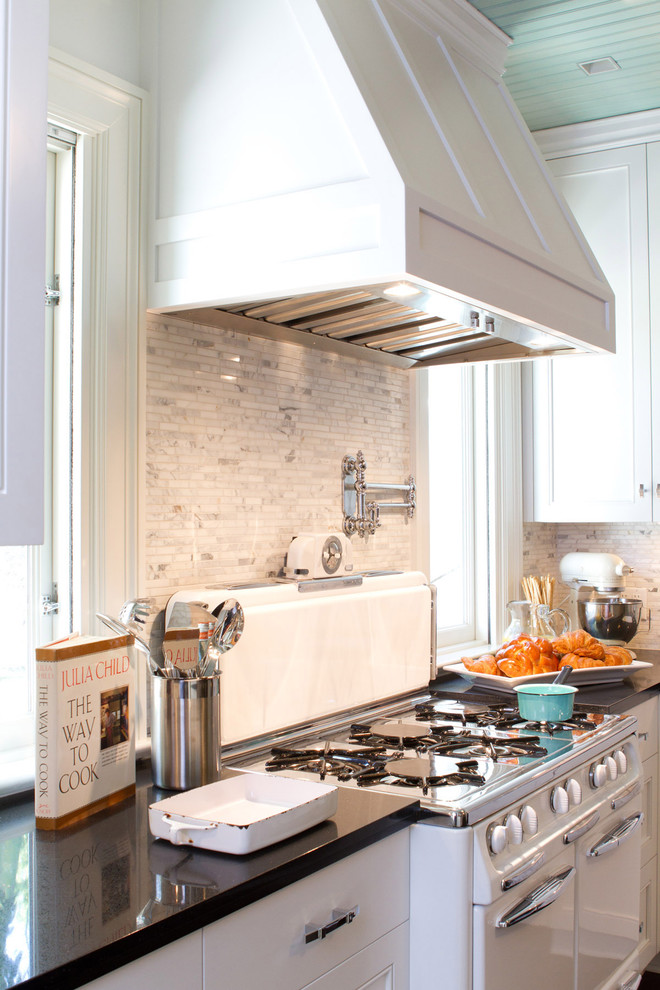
column 541, row 898
column 617, row 835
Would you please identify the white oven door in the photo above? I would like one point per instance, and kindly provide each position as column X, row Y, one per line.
column 608, row 863
column 526, row 938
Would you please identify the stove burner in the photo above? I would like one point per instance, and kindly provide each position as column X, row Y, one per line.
column 581, row 723
column 498, row 716
column 449, row 741
column 417, row 773
column 401, row 735
column 344, row 764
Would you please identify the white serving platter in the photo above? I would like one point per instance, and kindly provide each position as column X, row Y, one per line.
column 583, row 676
column 243, row 813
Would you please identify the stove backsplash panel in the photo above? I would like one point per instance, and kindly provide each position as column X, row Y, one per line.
column 244, row 443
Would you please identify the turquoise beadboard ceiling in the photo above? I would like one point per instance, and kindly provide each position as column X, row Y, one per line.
column 550, row 38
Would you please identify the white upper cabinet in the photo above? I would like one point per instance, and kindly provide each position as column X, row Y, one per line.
column 24, row 53
column 589, row 423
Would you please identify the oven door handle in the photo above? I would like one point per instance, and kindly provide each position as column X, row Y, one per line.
column 617, row 835
column 582, row 826
column 541, row 898
column 523, row 874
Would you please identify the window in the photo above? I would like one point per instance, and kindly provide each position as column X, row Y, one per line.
column 36, row 589
column 95, row 546
column 470, row 440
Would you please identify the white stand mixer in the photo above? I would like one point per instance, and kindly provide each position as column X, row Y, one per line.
column 597, row 601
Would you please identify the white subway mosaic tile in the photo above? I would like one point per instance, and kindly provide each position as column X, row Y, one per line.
column 238, row 465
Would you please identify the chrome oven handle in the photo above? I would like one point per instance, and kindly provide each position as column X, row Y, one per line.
column 582, row 826
column 625, row 796
column 541, row 898
column 617, row 835
column 515, row 878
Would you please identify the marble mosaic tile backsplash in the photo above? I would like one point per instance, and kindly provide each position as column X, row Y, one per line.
column 638, row 544
column 245, row 439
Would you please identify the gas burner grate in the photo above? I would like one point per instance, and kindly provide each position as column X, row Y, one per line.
column 576, row 722
column 417, row 773
column 497, row 716
column 344, row 764
column 449, row 741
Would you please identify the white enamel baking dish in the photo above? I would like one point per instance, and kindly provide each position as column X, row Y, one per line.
column 243, row 813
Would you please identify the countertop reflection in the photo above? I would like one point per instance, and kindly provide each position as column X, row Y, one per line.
column 79, row 902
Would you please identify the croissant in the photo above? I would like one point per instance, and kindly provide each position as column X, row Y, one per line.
column 516, row 666
column 578, row 661
column 579, row 641
column 481, row 665
column 617, row 656
column 545, row 664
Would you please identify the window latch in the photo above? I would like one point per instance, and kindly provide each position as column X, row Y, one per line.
column 53, row 292
column 49, row 604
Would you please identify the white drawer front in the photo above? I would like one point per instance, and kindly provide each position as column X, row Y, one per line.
column 265, row 942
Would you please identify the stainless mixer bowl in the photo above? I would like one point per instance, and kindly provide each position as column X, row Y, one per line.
column 610, row 618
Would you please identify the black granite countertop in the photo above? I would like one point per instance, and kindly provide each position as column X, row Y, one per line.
column 612, row 698
column 79, row 902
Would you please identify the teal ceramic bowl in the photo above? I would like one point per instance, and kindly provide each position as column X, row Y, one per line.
column 545, row 702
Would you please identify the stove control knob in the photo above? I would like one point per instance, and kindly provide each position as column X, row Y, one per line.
column 529, row 820
column 498, row 838
column 559, row 800
column 574, row 791
column 597, row 775
column 621, row 761
column 514, row 829
column 612, row 767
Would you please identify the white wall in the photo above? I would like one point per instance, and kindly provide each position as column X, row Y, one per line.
column 104, row 33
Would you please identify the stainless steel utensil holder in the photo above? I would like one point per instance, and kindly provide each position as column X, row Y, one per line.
column 185, row 731
column 361, row 515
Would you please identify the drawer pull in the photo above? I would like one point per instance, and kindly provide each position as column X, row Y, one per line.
column 340, row 917
column 625, row 796
column 616, row 836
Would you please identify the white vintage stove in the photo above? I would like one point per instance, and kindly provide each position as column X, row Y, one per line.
column 525, row 861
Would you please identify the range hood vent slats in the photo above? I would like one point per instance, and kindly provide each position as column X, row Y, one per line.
column 290, row 309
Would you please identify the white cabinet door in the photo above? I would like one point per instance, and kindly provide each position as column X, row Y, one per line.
column 178, row 964
column 266, row 943
column 383, row 965
column 589, row 441
column 653, row 169
column 23, row 86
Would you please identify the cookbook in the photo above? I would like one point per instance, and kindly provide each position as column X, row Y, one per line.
column 85, row 717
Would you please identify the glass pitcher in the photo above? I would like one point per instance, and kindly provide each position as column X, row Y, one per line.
column 535, row 620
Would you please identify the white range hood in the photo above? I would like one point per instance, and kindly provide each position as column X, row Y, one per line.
column 353, row 149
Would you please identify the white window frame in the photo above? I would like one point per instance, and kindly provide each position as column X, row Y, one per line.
column 109, row 115
column 499, row 558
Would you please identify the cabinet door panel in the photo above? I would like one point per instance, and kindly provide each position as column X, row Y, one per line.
column 24, row 53
column 592, row 414
column 270, row 936
column 383, row 965
column 653, row 166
